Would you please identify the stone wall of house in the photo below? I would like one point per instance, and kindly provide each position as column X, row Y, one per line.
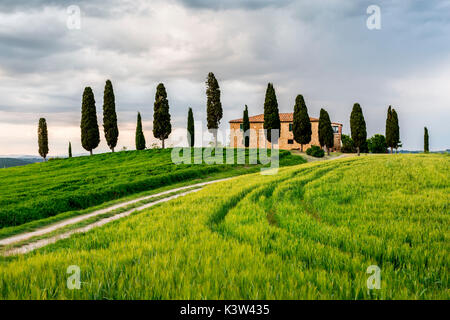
column 286, row 140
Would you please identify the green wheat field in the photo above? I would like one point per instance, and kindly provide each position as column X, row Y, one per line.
column 308, row 232
column 43, row 190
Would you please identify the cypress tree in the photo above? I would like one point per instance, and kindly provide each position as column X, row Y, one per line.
column 190, row 128
column 43, row 138
column 214, row 110
column 140, row 138
column 90, row 135
column 326, row 134
column 246, row 127
column 358, row 127
column 161, row 117
column 70, row 150
column 389, row 130
column 396, row 129
column 301, row 126
column 109, row 116
column 426, row 145
column 271, row 114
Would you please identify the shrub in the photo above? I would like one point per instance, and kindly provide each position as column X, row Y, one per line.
column 377, row 144
column 315, row 151
column 347, row 144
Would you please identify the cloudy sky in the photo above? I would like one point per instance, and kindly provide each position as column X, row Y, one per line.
column 321, row 49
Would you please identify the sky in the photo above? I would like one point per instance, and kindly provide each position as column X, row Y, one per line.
column 322, row 49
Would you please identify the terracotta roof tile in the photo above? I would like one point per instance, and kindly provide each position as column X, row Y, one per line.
column 284, row 117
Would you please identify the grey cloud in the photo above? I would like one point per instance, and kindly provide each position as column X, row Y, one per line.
column 322, row 50
column 25, row 5
column 234, row 4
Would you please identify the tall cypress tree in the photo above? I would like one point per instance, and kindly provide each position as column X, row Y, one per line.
column 246, row 127
column 396, row 129
column 190, row 128
column 326, row 134
column 161, row 117
column 358, row 127
column 390, row 130
column 271, row 114
column 70, row 150
column 426, row 142
column 109, row 116
column 214, row 110
column 43, row 138
column 140, row 138
column 90, row 135
column 301, row 126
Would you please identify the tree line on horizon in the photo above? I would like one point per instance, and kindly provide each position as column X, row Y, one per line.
column 302, row 131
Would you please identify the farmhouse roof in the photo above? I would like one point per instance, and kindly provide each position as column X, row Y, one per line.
column 284, row 117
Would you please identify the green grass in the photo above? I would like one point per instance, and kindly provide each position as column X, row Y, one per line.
column 325, row 157
column 309, row 232
column 43, row 190
column 91, row 220
column 37, row 224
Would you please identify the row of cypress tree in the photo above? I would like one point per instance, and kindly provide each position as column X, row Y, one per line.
column 214, row 111
column 90, row 136
column 359, row 132
column 302, row 125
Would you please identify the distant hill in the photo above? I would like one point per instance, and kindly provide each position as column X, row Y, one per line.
column 15, row 162
column 421, row 151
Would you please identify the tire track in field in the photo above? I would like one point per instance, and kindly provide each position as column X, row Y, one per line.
column 217, row 219
column 219, row 215
column 256, row 191
column 43, row 242
column 363, row 254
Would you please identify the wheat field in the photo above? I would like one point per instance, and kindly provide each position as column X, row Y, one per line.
column 308, row 232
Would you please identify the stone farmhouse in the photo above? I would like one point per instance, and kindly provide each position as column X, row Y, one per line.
column 286, row 140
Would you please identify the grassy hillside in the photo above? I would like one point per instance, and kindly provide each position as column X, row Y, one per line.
column 46, row 189
column 309, row 232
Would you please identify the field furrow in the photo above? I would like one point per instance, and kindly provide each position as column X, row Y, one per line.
column 308, row 232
